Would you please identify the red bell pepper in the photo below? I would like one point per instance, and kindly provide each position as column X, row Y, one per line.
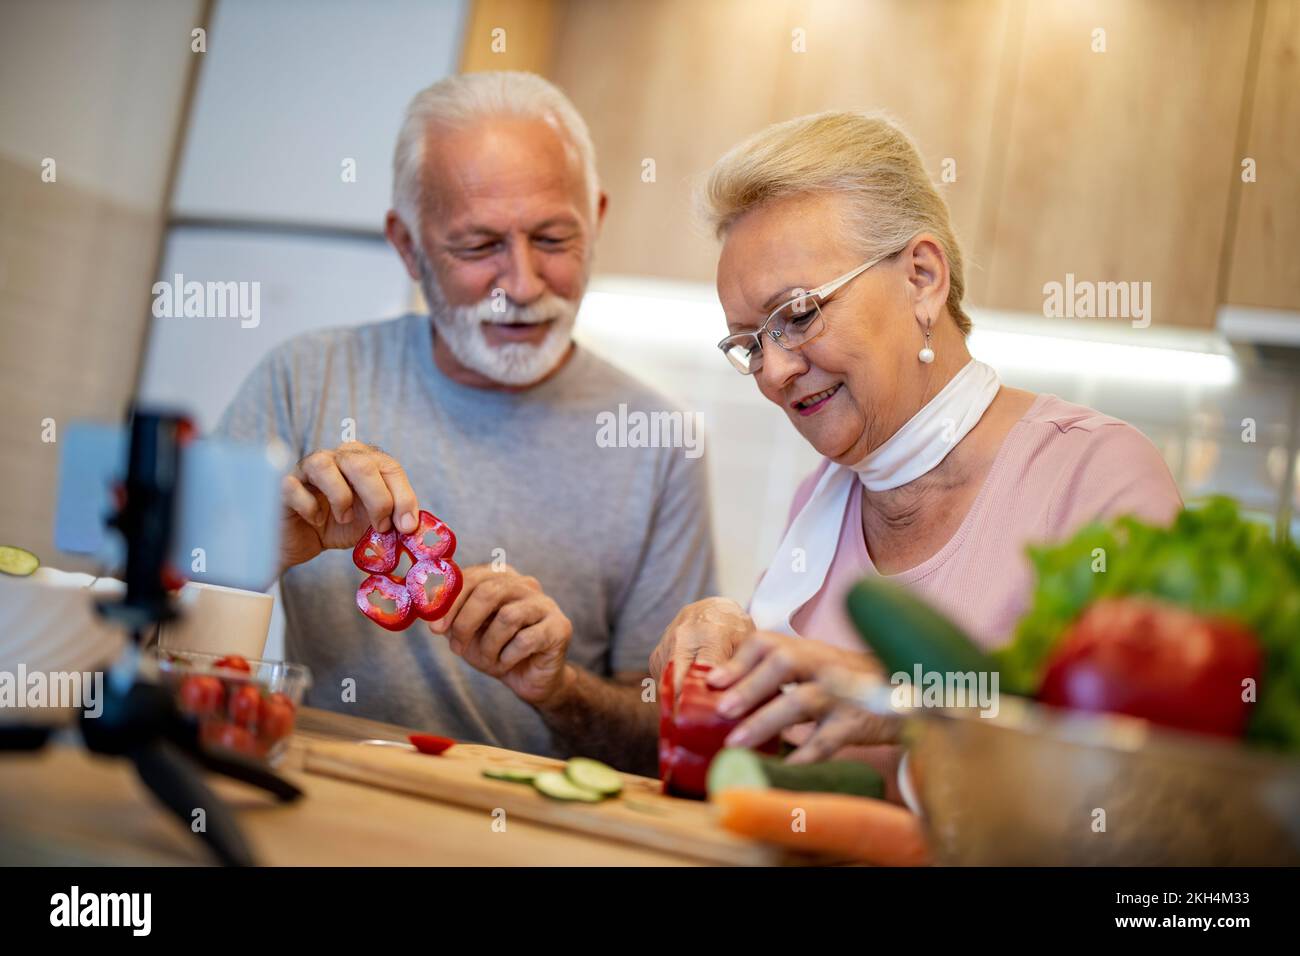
column 377, row 553
column 691, row 732
column 431, row 743
column 430, row 607
column 380, row 554
column 395, row 590
column 419, row 549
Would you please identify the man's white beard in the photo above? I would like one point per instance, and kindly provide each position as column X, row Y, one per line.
column 514, row 363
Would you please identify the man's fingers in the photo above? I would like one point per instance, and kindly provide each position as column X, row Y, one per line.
column 524, row 645
column 490, row 594
column 301, row 502
column 321, row 471
column 509, row 620
column 470, row 578
column 362, row 472
column 406, row 507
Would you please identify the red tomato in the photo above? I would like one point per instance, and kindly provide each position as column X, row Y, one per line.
column 245, row 705
column 234, row 662
column 1144, row 658
column 276, row 718
column 227, row 736
column 202, row 695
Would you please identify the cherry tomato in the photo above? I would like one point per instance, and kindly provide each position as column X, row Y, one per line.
column 1144, row 658
column 276, row 718
column 233, row 662
column 202, row 695
column 224, row 735
column 245, row 705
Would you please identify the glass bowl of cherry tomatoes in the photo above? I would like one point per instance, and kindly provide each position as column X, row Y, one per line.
column 243, row 705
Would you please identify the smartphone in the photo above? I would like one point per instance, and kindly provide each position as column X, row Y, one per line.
column 227, row 527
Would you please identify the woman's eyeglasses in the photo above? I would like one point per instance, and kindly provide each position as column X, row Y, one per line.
column 791, row 325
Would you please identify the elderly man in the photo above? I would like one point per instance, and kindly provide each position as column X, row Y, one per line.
column 485, row 412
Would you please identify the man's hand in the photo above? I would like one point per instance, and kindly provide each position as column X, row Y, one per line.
column 333, row 496
column 504, row 625
column 764, row 664
column 707, row 631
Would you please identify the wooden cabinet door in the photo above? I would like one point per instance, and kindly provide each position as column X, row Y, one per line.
column 1119, row 165
column 1263, row 265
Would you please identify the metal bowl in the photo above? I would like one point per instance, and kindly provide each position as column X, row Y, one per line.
column 1036, row 785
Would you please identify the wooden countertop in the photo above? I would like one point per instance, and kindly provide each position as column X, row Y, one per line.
column 65, row 806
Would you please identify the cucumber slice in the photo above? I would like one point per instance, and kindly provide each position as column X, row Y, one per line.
column 17, row 561
column 510, row 774
column 594, row 775
column 554, row 784
column 735, row 768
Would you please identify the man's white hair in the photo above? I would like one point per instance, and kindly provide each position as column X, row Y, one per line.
column 463, row 99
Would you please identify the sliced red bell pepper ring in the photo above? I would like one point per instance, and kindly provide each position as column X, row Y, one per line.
column 395, row 590
column 377, row 553
column 430, row 607
column 419, row 549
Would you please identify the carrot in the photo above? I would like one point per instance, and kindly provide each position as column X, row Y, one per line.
column 850, row 828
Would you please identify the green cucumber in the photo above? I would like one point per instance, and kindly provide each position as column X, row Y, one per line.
column 594, row 775
column 17, row 561
column 903, row 632
column 554, row 784
column 736, row 768
column 510, row 774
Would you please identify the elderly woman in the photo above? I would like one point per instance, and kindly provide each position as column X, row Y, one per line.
column 842, row 285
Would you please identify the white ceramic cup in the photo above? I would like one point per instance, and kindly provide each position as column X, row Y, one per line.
column 219, row 620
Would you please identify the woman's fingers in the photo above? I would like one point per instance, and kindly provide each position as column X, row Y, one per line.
column 802, row 704
column 778, row 666
column 744, row 660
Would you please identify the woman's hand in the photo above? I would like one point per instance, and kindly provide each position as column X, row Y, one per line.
column 764, row 663
column 707, row 631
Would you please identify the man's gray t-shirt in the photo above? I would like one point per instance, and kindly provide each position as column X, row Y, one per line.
column 619, row 537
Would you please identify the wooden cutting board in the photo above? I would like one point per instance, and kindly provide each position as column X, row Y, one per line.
column 639, row 815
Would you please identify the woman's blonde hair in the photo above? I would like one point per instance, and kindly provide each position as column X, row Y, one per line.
column 861, row 155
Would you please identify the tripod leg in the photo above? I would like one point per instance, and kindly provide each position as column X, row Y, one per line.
column 177, row 783
column 256, row 774
column 24, row 737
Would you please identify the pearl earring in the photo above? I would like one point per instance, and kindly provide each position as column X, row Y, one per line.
column 926, row 355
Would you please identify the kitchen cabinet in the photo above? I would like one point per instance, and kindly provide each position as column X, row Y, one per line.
column 1094, row 139
column 1120, row 159
column 668, row 87
column 1263, row 268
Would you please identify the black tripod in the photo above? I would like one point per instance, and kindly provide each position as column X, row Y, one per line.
column 140, row 720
